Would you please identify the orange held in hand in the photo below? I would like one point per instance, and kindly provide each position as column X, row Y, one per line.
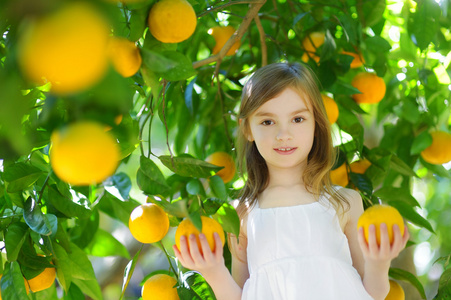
column 148, row 223
column 378, row 214
column 209, row 226
column 396, row 292
column 160, row 286
column 223, row 159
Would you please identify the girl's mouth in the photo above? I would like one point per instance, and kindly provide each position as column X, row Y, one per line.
column 285, row 150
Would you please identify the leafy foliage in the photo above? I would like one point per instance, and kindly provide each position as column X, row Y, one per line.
column 181, row 106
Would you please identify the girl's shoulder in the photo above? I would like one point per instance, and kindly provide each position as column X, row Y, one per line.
column 352, row 208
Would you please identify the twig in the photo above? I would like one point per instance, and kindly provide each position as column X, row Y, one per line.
column 252, row 12
column 41, row 192
column 262, row 34
column 164, row 120
column 220, row 7
column 221, row 100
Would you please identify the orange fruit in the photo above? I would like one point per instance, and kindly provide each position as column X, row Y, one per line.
column 223, row 159
column 148, row 223
column 357, row 61
column 172, row 21
column 160, row 286
column 439, row 152
column 378, row 214
column 209, row 226
column 371, row 86
column 339, row 176
column 43, row 281
column 124, row 55
column 221, row 35
column 83, row 153
column 66, row 48
column 26, row 286
column 331, row 109
column 396, row 291
column 311, row 43
column 360, row 166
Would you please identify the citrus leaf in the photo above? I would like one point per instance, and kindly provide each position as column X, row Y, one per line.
column 400, row 274
column 228, row 218
column 195, row 187
column 373, row 12
column 362, row 182
column 181, row 67
column 176, row 208
column 421, row 142
column 150, row 179
column 390, row 193
column 436, row 169
column 128, row 272
column 36, row 220
column 12, row 282
column 120, row 184
column 63, row 266
column 444, row 287
column 424, row 23
column 15, row 237
column 137, row 23
column 157, row 62
column 218, row 187
column 20, row 176
column 89, row 287
column 189, row 167
column 67, row 206
column 104, row 244
column 117, row 209
column 378, row 44
column 401, row 167
column 198, row 287
column 410, row 214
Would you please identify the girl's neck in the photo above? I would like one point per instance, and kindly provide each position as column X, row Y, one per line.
column 285, row 178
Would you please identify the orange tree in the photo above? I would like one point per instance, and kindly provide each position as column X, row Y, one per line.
column 180, row 107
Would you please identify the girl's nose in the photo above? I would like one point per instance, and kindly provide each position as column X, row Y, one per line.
column 284, row 134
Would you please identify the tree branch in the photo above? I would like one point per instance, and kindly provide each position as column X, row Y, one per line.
column 261, row 31
column 252, row 12
column 220, row 7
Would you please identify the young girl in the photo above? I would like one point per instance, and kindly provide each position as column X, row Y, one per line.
column 299, row 237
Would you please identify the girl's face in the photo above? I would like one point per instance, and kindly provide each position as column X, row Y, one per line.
column 283, row 130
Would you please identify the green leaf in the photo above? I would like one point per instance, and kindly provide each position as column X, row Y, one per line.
column 68, row 206
column 444, row 286
column 80, row 264
column 195, row 187
column 176, row 208
column 378, row 44
column 218, row 187
column 421, row 142
column 117, row 209
column 211, row 205
column 424, row 23
column 228, row 218
column 137, row 23
column 89, row 287
column 181, row 67
column 63, row 266
column 121, row 183
column 128, row 272
column 35, row 219
column 74, row 293
column 341, row 87
column 85, row 229
column 15, row 237
column 410, row 214
column 150, row 179
column 104, row 244
column 362, row 182
column 373, row 12
column 436, row 169
column 389, row 193
column 20, row 176
column 400, row 274
column 198, row 287
column 189, row 167
column 157, row 62
column 12, row 283
column 401, row 167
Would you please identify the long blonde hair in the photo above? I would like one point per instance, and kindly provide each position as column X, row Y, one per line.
column 265, row 84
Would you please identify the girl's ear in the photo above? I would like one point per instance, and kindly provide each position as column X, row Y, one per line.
column 244, row 127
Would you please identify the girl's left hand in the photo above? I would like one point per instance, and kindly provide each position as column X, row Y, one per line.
column 191, row 257
column 384, row 252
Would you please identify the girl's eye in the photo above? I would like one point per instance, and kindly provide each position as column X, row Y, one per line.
column 267, row 122
column 298, row 119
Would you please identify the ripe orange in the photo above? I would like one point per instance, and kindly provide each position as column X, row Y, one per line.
column 223, row 159
column 66, row 48
column 378, row 214
column 331, row 109
column 172, row 21
column 125, row 56
column 83, row 153
column 360, row 166
column 148, row 223
column 396, row 291
column 43, row 281
column 209, row 226
column 357, row 61
column 371, row 86
column 160, row 286
column 439, row 152
column 311, row 43
column 26, row 286
column 221, row 35
column 339, row 176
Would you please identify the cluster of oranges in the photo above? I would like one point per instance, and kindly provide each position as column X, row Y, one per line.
column 149, row 223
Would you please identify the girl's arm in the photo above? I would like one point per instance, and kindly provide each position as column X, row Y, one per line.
column 209, row 264
column 371, row 261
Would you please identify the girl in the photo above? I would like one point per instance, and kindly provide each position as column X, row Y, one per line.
column 299, row 237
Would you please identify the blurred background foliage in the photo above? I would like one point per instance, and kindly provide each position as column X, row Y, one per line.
column 180, row 106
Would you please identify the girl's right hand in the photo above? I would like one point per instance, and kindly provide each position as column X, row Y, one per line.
column 191, row 257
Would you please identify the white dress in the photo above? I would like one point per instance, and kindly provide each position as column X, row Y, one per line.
column 299, row 252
